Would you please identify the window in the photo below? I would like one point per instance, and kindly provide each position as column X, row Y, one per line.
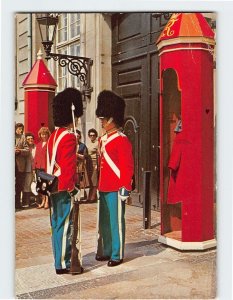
column 62, row 73
column 68, row 42
column 68, row 27
column 74, row 25
column 62, row 28
column 75, row 50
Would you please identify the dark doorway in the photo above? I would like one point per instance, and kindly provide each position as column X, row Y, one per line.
column 135, row 77
column 171, row 114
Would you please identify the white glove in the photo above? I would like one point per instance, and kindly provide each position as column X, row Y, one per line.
column 123, row 194
column 33, row 188
column 77, row 197
column 76, row 193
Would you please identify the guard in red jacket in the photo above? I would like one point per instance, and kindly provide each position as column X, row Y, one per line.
column 65, row 169
column 115, row 178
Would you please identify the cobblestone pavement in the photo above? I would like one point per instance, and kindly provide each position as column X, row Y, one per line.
column 150, row 270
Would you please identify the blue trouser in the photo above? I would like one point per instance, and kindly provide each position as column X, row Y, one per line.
column 61, row 229
column 111, row 225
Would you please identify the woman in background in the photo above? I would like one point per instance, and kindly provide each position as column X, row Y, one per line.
column 27, row 199
column 92, row 164
column 41, row 158
column 81, row 155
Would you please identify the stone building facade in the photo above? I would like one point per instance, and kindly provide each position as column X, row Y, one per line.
column 125, row 59
column 92, row 39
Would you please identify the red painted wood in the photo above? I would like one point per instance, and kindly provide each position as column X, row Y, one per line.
column 39, row 75
column 194, row 184
column 39, row 90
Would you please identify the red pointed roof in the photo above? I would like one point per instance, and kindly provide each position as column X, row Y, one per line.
column 186, row 25
column 39, row 74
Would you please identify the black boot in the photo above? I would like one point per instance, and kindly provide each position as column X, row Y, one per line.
column 26, row 199
column 32, row 201
column 17, row 201
column 92, row 197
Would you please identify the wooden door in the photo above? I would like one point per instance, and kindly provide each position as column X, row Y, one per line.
column 135, row 77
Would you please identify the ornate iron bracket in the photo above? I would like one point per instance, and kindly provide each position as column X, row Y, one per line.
column 77, row 66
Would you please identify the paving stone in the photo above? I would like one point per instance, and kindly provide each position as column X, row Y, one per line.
column 150, row 270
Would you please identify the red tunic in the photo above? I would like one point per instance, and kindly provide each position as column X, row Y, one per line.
column 120, row 151
column 65, row 159
column 40, row 156
column 178, row 165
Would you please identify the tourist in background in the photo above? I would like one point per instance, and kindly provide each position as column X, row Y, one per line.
column 82, row 176
column 21, row 152
column 40, row 161
column 27, row 194
column 92, row 146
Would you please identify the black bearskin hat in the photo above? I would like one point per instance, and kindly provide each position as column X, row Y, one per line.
column 62, row 102
column 111, row 105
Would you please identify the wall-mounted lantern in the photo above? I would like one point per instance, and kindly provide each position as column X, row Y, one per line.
column 77, row 65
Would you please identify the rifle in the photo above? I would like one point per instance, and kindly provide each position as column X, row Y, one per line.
column 75, row 265
column 99, row 239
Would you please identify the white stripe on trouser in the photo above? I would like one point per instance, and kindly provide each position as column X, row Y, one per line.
column 97, row 224
column 64, row 238
column 120, row 225
column 79, row 237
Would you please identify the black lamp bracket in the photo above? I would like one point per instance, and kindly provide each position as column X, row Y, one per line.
column 77, row 66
